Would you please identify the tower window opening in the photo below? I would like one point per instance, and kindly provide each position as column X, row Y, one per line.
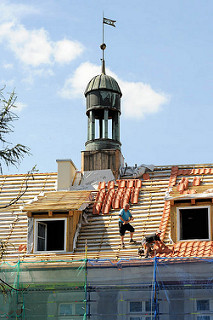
column 110, row 128
column 97, row 134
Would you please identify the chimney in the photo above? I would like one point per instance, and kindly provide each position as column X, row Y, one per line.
column 66, row 174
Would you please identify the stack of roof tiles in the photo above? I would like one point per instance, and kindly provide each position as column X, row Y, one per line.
column 111, row 197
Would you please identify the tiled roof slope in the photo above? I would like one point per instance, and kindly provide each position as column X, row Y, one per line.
column 101, row 230
column 150, row 213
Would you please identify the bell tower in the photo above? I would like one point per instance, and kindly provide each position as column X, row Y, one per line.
column 103, row 146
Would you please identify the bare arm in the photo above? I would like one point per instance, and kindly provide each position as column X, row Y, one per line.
column 123, row 220
column 131, row 218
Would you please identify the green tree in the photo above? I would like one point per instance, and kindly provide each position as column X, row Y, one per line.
column 9, row 154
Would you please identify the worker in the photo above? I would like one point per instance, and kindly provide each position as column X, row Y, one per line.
column 150, row 240
column 125, row 217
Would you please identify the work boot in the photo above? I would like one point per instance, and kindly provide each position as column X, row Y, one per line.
column 132, row 241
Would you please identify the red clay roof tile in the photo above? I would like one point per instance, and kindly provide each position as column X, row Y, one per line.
column 193, row 249
column 111, row 185
column 146, row 176
column 130, row 183
column 174, row 170
column 165, row 218
column 196, row 181
column 138, row 183
column 101, row 185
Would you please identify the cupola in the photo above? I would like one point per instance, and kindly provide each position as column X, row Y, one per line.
column 103, row 111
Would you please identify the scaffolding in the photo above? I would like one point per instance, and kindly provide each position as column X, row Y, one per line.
column 127, row 289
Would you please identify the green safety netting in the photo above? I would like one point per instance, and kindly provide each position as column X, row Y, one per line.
column 128, row 289
column 50, row 290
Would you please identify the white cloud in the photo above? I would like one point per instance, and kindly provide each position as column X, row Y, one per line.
column 7, row 82
column 75, row 85
column 13, row 12
column 20, row 106
column 138, row 99
column 31, row 74
column 8, row 66
column 66, row 50
column 35, row 48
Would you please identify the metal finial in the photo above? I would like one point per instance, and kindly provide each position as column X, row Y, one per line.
column 103, row 47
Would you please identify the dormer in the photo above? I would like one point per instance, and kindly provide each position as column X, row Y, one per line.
column 191, row 212
column 53, row 220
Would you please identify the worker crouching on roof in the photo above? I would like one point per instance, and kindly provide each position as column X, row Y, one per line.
column 150, row 240
column 125, row 217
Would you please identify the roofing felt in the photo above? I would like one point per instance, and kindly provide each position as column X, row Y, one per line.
column 100, row 231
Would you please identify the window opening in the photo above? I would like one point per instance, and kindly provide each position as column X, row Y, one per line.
column 97, row 134
column 110, row 128
column 194, row 223
column 65, row 309
column 50, row 235
column 142, row 307
column 202, row 305
column 135, row 306
column 68, row 309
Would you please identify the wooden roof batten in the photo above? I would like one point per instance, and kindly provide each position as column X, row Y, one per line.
column 60, row 201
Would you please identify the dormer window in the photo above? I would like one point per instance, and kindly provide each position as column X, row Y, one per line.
column 50, row 234
column 193, row 223
column 54, row 221
column 191, row 206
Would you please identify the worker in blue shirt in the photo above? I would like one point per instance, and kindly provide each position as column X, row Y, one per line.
column 125, row 217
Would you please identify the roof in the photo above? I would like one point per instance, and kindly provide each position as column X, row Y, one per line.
column 13, row 221
column 60, row 200
column 103, row 82
column 100, row 231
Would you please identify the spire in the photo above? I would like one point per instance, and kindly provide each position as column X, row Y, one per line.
column 103, row 47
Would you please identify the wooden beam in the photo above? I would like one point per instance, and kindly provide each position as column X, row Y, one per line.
column 50, row 213
column 70, row 213
column 193, row 201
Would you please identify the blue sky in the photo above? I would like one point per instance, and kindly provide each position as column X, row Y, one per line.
column 160, row 53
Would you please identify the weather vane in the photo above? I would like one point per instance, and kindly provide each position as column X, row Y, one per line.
column 103, row 45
